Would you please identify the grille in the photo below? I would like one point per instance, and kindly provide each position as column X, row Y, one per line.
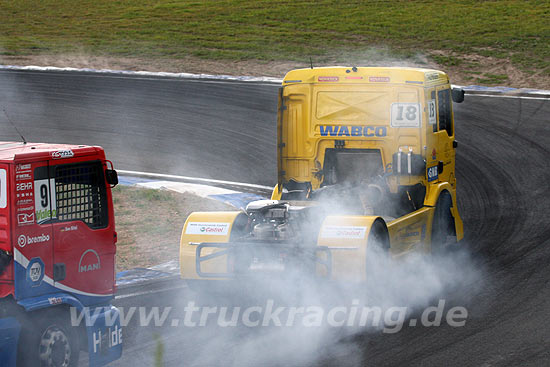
column 81, row 194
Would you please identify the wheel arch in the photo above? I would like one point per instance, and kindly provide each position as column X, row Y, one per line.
column 432, row 196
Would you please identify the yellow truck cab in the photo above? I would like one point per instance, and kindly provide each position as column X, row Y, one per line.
column 337, row 124
column 372, row 149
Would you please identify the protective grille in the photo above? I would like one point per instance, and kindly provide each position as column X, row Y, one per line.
column 81, row 194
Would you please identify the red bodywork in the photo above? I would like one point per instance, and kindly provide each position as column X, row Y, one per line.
column 30, row 229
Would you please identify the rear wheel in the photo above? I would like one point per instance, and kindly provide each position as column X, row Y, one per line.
column 443, row 224
column 378, row 251
column 48, row 340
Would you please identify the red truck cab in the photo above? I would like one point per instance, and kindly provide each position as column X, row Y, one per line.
column 58, row 245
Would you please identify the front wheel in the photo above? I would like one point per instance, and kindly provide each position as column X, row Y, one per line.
column 48, row 340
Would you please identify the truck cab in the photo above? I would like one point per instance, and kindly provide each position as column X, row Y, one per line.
column 57, row 251
column 390, row 128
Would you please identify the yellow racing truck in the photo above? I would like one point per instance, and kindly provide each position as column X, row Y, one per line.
column 366, row 159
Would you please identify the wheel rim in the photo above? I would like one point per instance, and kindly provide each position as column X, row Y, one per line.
column 55, row 348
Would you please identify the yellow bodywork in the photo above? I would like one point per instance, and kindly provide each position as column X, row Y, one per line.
column 313, row 100
column 346, row 237
column 398, row 112
column 205, row 227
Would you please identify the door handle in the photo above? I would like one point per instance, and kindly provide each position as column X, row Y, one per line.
column 59, row 272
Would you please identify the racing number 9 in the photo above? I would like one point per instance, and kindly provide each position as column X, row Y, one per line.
column 44, row 195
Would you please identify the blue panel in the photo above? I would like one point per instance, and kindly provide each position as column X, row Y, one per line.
column 433, row 173
column 9, row 335
column 38, row 297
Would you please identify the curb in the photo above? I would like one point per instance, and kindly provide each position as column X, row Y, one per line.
column 229, row 78
column 468, row 89
column 150, row 286
column 237, row 186
column 504, row 91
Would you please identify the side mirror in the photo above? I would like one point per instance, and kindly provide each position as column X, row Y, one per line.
column 112, row 177
column 458, row 95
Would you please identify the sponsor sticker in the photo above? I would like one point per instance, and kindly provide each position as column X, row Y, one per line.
column 20, row 168
column 432, row 174
column 23, row 176
column 60, row 154
column 35, row 271
column 212, row 229
column 24, row 219
column 379, row 79
column 349, row 232
column 24, row 202
column 353, row 130
column 328, row 79
column 23, row 186
column 432, row 76
column 89, row 261
column 24, row 240
column 55, row 300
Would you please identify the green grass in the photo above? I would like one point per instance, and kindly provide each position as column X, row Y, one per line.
column 493, row 79
column 280, row 30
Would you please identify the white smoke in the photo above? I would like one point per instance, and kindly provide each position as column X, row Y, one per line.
column 401, row 289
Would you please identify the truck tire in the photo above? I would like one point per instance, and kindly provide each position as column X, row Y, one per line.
column 378, row 252
column 48, row 340
column 443, row 224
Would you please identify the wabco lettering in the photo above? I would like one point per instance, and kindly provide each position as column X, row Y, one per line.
column 343, row 130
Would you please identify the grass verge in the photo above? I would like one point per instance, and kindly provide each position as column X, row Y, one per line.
column 454, row 34
column 149, row 223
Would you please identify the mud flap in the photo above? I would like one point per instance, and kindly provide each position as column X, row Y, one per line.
column 9, row 336
column 104, row 333
column 346, row 237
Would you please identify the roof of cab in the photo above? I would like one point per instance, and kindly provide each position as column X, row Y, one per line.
column 10, row 151
column 372, row 75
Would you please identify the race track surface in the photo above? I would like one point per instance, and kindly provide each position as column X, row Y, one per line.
column 227, row 131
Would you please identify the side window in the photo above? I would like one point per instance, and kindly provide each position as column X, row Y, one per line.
column 81, row 194
column 444, row 107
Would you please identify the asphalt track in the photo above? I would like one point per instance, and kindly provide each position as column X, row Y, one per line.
column 226, row 130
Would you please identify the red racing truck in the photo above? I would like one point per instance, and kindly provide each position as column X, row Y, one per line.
column 57, row 256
